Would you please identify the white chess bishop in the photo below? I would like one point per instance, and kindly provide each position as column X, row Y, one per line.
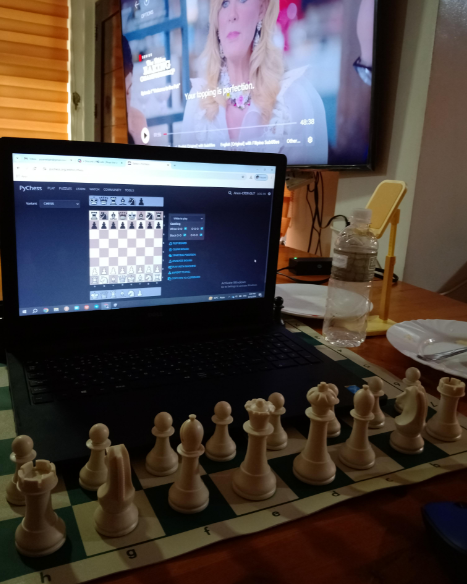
column 220, row 447
column 189, row 494
column 357, row 452
column 23, row 451
column 254, row 480
column 42, row 531
column 314, row 465
column 94, row 473
column 116, row 514
column 407, row 437
column 444, row 425
column 162, row 460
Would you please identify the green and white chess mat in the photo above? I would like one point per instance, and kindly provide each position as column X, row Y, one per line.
column 162, row 533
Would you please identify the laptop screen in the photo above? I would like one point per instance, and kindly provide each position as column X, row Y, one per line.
column 110, row 233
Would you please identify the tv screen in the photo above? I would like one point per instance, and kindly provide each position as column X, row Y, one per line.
column 287, row 76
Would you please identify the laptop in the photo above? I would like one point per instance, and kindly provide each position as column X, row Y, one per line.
column 138, row 280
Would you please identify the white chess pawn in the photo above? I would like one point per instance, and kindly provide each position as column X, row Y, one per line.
column 278, row 439
column 23, row 451
column 444, row 425
column 407, row 437
column 189, row 494
column 314, row 465
column 254, row 479
column 412, row 377
column 376, row 387
column 42, row 531
column 94, row 473
column 116, row 514
column 220, row 447
column 357, row 452
column 162, row 460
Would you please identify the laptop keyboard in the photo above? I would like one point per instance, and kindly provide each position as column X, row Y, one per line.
column 74, row 376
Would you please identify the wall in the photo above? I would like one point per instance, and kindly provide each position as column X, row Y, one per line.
column 408, row 29
column 437, row 251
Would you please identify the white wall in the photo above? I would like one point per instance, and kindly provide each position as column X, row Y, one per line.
column 405, row 88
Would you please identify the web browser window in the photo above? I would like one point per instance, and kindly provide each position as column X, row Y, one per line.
column 109, row 233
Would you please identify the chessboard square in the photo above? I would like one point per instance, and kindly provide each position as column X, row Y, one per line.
column 19, row 566
column 283, row 467
column 131, row 252
column 5, row 400
column 103, row 253
column 450, row 448
column 211, row 466
column 93, row 243
column 150, row 234
column 70, row 470
column 148, row 481
column 140, row 242
column 331, row 353
column 383, row 465
column 122, row 261
column 8, row 511
column 173, row 522
column 429, row 454
column 113, row 252
column 4, row 380
column 103, row 263
column 122, row 252
column 7, row 425
column 104, row 243
column 6, row 466
column 157, row 258
column 131, row 243
column 131, row 258
column 141, row 233
column 103, row 234
column 140, row 260
column 122, row 243
column 140, row 251
column 113, row 234
column 295, row 444
column 308, row 340
column 148, row 527
column 93, row 262
column 94, row 234
column 149, row 242
column 113, row 243
column 113, row 261
column 223, row 481
column 356, row 369
column 389, row 424
column 131, row 234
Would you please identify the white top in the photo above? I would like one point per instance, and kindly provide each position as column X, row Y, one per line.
column 297, row 100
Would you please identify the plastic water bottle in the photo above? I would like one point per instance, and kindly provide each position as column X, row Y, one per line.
column 353, row 268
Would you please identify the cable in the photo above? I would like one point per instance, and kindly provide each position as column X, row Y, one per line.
column 454, row 289
column 301, row 281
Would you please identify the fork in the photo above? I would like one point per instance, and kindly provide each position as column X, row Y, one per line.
column 443, row 355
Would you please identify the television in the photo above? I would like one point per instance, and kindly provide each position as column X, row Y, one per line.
column 289, row 76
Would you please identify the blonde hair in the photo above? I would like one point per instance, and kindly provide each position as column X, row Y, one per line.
column 266, row 64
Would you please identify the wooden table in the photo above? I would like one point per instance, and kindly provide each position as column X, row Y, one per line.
column 376, row 539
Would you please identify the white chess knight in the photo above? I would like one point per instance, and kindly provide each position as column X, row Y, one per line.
column 278, row 439
column 407, row 437
column 162, row 460
column 444, row 425
column 189, row 494
column 357, row 452
column 376, row 387
column 94, row 473
column 314, row 465
column 220, row 447
column 254, row 480
column 42, row 531
column 23, row 451
column 412, row 377
column 116, row 514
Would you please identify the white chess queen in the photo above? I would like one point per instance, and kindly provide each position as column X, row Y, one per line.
column 240, row 49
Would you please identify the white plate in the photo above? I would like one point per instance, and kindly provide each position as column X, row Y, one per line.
column 425, row 337
column 307, row 299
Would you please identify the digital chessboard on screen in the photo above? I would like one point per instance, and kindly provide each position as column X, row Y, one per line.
column 125, row 246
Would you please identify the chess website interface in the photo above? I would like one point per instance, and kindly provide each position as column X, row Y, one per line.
column 110, row 233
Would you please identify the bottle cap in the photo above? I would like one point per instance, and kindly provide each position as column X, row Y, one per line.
column 362, row 216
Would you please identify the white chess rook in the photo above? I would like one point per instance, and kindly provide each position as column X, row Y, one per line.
column 220, row 447
column 357, row 452
column 412, row 377
column 254, row 480
column 116, row 514
column 278, row 439
column 407, row 437
column 42, row 531
column 444, row 425
column 189, row 494
column 376, row 387
column 314, row 465
column 94, row 473
column 23, row 451
column 162, row 460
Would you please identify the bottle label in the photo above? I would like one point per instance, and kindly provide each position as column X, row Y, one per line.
column 353, row 266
